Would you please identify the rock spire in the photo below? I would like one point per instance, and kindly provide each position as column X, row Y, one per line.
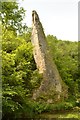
column 52, row 87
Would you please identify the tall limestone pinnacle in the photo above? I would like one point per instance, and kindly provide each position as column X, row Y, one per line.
column 52, row 87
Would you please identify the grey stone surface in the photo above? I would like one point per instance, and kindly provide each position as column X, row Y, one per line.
column 52, row 87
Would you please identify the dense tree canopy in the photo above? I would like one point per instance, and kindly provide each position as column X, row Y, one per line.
column 12, row 16
column 65, row 55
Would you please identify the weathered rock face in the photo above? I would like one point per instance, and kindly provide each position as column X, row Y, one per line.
column 52, row 87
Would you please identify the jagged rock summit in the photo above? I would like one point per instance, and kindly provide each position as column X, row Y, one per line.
column 52, row 88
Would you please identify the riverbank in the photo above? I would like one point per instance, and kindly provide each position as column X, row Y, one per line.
column 62, row 114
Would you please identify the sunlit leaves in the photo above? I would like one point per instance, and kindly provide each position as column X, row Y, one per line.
column 12, row 16
column 17, row 71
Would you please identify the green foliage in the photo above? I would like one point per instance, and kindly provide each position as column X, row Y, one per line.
column 42, row 107
column 17, row 73
column 65, row 55
column 36, row 79
column 20, row 76
column 12, row 16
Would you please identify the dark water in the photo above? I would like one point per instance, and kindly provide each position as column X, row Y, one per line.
column 57, row 116
column 47, row 116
